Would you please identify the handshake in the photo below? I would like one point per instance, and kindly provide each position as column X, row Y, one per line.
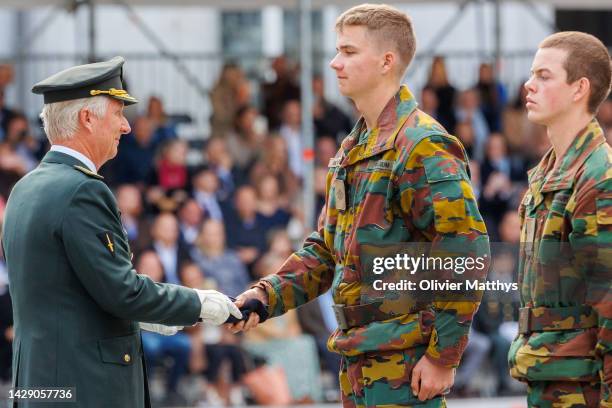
column 242, row 313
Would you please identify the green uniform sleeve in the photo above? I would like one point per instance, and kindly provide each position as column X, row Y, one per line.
column 99, row 254
column 437, row 200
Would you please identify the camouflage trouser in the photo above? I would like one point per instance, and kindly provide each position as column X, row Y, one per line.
column 382, row 379
column 563, row 394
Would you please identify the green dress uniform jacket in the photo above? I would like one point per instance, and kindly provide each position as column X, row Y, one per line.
column 77, row 299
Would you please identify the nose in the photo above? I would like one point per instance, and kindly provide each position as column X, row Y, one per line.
column 335, row 63
column 125, row 127
column 529, row 85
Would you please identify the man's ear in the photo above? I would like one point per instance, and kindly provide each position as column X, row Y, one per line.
column 582, row 89
column 389, row 62
column 85, row 119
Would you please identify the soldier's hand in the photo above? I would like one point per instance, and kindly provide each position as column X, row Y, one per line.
column 254, row 293
column 430, row 380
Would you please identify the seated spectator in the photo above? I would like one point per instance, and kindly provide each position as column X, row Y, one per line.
column 326, row 148
column 438, row 81
column 244, row 141
column 171, row 168
column 280, row 341
column 19, row 138
column 12, row 168
column 213, row 346
column 492, row 96
column 498, row 313
column 475, row 354
column 205, row 192
column 474, row 168
column 524, row 137
column 498, row 173
column 129, row 201
column 604, row 116
column 6, row 114
column 291, row 131
column 283, row 88
column 468, row 110
column 315, row 319
column 226, row 99
column 329, row 120
column 275, row 162
column 163, row 129
column 244, row 230
column 219, row 160
column 465, row 132
column 135, row 158
column 171, row 251
column 280, row 243
column 190, row 221
column 157, row 347
column 270, row 209
column 217, row 262
column 429, row 101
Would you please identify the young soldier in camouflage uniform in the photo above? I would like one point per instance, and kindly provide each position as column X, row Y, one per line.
column 565, row 332
column 398, row 177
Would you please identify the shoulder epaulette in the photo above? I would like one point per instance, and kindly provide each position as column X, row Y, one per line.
column 88, row 172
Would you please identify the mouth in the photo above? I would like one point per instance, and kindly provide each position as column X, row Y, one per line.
column 529, row 102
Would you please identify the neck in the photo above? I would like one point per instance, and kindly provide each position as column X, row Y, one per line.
column 213, row 252
column 166, row 244
column 372, row 104
column 563, row 131
column 76, row 143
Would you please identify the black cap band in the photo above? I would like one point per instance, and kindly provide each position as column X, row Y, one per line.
column 83, row 92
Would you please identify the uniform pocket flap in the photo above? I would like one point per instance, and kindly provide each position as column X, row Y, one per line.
column 120, row 350
column 438, row 168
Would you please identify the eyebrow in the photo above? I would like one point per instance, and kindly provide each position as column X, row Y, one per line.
column 346, row 47
column 540, row 70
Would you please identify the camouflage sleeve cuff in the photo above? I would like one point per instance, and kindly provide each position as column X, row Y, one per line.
column 269, row 285
column 436, row 359
column 445, row 356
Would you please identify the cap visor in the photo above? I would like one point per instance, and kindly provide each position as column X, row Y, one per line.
column 127, row 99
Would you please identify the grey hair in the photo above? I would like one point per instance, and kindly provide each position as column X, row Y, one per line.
column 61, row 119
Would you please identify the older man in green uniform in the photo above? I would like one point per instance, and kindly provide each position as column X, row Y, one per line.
column 77, row 299
column 399, row 177
column 563, row 350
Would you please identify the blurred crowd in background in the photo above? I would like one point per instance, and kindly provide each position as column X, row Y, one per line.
column 224, row 211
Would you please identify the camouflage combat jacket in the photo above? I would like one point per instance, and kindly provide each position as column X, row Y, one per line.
column 565, row 266
column 406, row 181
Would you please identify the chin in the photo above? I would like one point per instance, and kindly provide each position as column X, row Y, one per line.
column 535, row 118
column 344, row 91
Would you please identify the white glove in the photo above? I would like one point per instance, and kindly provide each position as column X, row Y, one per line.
column 160, row 328
column 216, row 307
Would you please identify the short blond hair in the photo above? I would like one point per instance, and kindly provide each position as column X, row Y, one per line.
column 387, row 24
column 587, row 57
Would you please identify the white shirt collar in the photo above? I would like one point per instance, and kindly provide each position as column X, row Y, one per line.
column 77, row 155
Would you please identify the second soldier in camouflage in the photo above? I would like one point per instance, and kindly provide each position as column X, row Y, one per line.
column 565, row 329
